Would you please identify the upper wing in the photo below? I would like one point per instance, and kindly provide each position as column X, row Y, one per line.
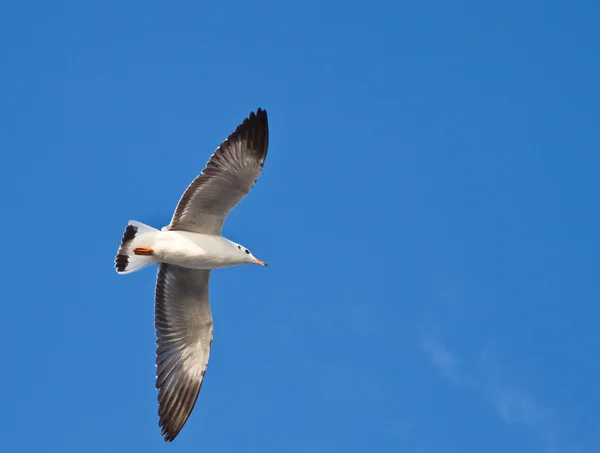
column 228, row 176
column 184, row 332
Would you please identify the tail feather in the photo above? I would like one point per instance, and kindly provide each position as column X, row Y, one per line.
column 136, row 234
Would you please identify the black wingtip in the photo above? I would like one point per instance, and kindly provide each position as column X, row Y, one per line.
column 122, row 259
column 258, row 119
column 121, row 262
column 129, row 234
column 175, row 416
column 255, row 128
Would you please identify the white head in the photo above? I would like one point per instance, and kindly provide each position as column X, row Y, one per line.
column 246, row 256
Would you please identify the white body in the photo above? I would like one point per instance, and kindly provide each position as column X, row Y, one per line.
column 183, row 248
column 193, row 250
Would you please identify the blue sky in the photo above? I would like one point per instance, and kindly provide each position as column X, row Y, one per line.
column 428, row 209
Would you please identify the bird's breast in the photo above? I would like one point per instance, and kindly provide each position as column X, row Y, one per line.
column 191, row 250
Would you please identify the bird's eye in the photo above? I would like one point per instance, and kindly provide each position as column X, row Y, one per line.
column 247, row 252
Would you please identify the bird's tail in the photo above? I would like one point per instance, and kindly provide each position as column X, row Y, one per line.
column 134, row 252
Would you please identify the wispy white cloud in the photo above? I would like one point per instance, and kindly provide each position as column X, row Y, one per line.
column 514, row 406
column 488, row 379
column 441, row 358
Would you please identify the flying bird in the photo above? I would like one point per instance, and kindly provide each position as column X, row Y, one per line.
column 186, row 251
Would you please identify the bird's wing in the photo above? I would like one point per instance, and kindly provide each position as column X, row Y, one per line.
column 227, row 178
column 184, row 332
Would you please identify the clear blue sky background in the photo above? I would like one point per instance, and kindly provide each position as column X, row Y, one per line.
column 428, row 208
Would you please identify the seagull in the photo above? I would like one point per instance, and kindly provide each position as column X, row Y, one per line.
column 186, row 251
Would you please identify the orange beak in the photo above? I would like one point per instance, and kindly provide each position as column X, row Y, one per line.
column 262, row 263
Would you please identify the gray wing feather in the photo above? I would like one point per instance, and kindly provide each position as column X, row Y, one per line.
column 184, row 332
column 227, row 178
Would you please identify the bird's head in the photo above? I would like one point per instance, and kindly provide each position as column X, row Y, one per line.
column 246, row 256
